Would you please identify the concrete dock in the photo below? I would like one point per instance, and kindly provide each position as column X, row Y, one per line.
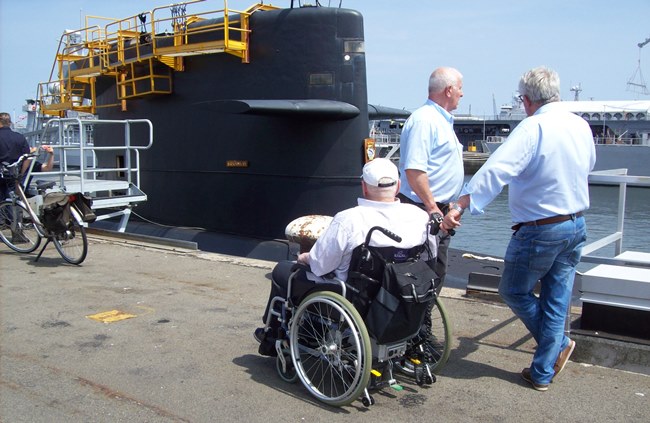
column 181, row 350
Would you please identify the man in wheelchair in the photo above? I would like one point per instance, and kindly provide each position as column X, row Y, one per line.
column 333, row 251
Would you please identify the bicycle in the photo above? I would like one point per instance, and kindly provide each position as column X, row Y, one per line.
column 22, row 227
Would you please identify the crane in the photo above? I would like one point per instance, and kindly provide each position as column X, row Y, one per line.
column 632, row 84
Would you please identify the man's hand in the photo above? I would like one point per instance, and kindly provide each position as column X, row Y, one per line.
column 452, row 219
column 303, row 258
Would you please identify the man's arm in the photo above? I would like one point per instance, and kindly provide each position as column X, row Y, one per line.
column 419, row 183
column 49, row 164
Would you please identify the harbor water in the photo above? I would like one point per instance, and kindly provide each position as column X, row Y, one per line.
column 488, row 234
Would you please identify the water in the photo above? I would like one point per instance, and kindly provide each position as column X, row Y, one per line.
column 488, row 234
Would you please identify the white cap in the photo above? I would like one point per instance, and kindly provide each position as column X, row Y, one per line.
column 380, row 173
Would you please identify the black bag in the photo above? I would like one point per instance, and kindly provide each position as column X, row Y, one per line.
column 83, row 203
column 56, row 212
column 399, row 307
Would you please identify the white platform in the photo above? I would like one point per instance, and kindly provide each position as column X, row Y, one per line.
column 619, row 286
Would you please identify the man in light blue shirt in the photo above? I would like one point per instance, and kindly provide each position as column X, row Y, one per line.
column 431, row 162
column 431, row 157
column 546, row 162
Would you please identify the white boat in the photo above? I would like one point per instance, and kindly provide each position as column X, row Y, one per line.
column 621, row 131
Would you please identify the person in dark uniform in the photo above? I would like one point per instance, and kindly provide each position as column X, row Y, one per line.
column 12, row 146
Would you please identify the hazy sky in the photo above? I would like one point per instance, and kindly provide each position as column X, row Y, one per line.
column 589, row 42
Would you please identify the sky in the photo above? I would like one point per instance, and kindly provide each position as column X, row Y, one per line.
column 591, row 43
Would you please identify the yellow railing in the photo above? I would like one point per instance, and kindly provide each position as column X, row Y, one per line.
column 130, row 48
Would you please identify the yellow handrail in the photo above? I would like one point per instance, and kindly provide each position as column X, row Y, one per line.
column 113, row 48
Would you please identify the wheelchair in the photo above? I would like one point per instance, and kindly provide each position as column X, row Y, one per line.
column 336, row 338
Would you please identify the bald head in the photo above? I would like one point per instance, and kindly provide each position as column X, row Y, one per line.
column 446, row 87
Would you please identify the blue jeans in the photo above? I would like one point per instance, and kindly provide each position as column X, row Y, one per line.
column 550, row 254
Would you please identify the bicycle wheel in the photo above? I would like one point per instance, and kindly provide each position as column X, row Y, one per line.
column 19, row 234
column 438, row 347
column 330, row 348
column 72, row 244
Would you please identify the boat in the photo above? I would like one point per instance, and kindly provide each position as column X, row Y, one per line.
column 621, row 131
column 259, row 115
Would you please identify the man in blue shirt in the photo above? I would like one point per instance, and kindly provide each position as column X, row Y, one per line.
column 431, row 159
column 545, row 162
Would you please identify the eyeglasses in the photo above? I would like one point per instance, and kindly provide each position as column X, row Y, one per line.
column 521, row 98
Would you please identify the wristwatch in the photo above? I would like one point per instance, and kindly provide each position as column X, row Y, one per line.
column 457, row 207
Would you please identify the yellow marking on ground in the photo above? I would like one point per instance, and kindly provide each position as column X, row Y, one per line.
column 111, row 316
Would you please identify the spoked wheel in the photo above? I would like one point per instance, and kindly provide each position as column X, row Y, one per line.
column 435, row 350
column 20, row 234
column 330, row 348
column 72, row 243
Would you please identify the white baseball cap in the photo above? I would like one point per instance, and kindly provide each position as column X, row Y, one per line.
column 380, row 173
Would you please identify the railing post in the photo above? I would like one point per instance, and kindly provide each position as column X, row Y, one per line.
column 82, row 153
column 620, row 218
column 127, row 153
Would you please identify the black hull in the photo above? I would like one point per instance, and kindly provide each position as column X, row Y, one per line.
column 218, row 165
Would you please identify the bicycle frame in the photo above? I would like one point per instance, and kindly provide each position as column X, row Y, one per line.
column 18, row 204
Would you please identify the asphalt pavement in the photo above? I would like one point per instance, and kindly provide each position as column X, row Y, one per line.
column 181, row 350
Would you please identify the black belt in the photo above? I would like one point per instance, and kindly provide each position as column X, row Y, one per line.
column 548, row 220
column 444, row 207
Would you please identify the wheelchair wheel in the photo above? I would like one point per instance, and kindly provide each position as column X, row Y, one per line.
column 437, row 350
column 290, row 375
column 330, row 348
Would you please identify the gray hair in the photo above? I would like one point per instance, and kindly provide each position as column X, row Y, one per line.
column 381, row 193
column 540, row 85
column 442, row 78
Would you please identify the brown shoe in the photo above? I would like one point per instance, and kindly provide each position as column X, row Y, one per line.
column 563, row 357
column 525, row 374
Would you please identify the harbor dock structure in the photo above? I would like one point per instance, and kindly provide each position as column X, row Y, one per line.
column 147, row 332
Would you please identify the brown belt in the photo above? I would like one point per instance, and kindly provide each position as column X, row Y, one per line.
column 548, row 220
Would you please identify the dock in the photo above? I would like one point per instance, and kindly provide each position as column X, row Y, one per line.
column 145, row 332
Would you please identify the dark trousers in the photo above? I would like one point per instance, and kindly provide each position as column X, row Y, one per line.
column 279, row 284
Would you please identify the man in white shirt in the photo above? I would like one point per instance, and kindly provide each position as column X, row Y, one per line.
column 333, row 250
column 546, row 163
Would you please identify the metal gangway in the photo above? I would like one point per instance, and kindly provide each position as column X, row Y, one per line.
column 107, row 171
column 618, row 288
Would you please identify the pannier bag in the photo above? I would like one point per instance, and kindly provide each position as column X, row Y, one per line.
column 400, row 305
column 56, row 212
column 83, row 203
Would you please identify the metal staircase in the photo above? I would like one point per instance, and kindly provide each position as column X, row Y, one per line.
column 109, row 173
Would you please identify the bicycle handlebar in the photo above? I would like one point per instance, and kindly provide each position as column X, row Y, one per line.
column 9, row 167
column 20, row 160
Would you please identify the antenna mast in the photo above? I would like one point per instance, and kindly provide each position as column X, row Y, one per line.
column 576, row 89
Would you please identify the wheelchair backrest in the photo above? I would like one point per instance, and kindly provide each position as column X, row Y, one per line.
column 371, row 261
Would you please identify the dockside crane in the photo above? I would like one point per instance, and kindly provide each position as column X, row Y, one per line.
column 636, row 83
